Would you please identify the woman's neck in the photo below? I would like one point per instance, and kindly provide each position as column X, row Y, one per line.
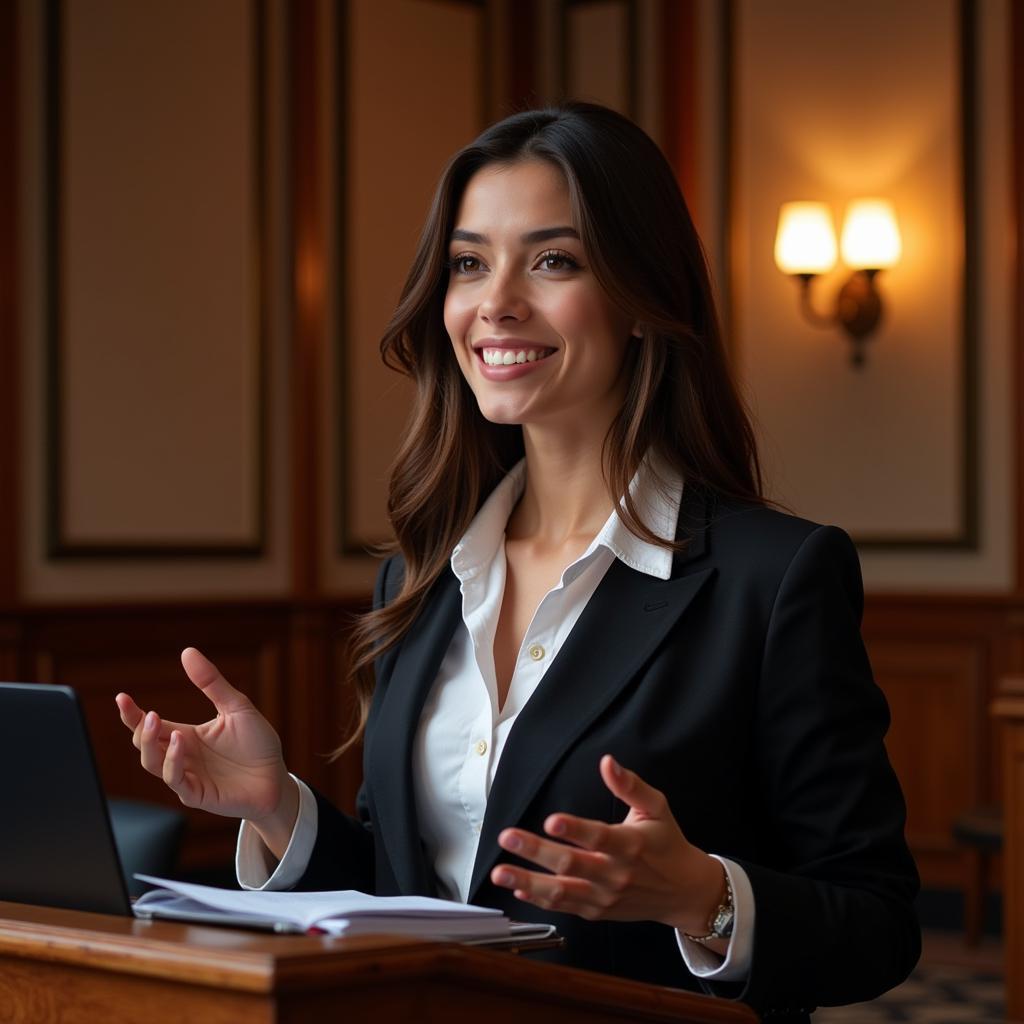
column 565, row 497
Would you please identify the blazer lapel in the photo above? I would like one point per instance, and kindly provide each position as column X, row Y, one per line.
column 626, row 619
column 388, row 758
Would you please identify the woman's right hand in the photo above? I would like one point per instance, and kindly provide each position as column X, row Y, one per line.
column 230, row 765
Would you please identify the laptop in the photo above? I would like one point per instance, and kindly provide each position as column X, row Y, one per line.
column 57, row 848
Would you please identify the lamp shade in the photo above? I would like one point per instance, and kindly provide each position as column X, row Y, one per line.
column 871, row 237
column 806, row 240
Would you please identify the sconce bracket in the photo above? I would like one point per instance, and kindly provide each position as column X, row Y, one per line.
column 858, row 307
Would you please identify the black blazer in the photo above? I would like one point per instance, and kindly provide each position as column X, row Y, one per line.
column 741, row 688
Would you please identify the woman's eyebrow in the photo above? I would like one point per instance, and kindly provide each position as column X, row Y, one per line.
column 540, row 235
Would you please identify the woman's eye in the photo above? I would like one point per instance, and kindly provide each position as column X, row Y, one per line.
column 464, row 264
column 557, row 261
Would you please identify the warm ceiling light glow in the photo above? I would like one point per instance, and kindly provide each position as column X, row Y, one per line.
column 871, row 238
column 806, row 241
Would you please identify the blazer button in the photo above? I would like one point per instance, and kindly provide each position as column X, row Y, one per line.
column 481, row 747
column 536, row 652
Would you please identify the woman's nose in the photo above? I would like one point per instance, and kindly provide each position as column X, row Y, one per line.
column 503, row 300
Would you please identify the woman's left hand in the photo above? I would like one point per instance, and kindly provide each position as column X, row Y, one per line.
column 643, row 869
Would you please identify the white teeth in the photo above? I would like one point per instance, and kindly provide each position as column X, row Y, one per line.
column 508, row 357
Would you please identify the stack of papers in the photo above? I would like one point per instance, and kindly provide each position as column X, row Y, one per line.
column 345, row 912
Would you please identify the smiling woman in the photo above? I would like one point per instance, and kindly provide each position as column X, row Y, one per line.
column 603, row 684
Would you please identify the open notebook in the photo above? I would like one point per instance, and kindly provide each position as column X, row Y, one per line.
column 58, row 849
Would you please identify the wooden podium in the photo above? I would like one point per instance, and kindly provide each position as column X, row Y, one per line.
column 94, row 969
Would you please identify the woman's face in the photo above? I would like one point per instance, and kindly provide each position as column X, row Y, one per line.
column 535, row 335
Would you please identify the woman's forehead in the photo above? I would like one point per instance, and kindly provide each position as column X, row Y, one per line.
column 519, row 196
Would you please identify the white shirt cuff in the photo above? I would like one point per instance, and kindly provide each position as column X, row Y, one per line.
column 735, row 965
column 255, row 865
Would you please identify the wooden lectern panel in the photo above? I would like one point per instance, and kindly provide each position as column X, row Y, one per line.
column 76, row 968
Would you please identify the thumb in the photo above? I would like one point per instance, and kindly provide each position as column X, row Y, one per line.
column 631, row 789
column 224, row 697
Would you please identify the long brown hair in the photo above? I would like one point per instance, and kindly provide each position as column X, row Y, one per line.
column 681, row 404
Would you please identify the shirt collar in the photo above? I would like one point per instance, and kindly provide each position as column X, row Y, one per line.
column 656, row 490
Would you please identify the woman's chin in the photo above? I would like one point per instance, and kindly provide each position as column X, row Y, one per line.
column 504, row 413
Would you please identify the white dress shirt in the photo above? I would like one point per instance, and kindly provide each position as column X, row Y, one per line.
column 462, row 730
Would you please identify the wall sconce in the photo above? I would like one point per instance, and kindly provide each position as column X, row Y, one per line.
column 805, row 246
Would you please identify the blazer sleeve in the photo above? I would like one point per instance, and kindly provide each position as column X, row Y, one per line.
column 834, row 883
column 343, row 854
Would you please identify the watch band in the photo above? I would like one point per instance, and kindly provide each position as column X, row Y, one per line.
column 720, row 925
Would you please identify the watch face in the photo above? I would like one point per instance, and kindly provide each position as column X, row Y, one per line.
column 721, row 927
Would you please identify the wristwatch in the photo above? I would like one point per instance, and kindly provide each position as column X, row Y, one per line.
column 720, row 926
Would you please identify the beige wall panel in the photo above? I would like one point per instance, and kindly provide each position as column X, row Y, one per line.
column 414, row 87
column 186, row 406
column 160, row 339
column 991, row 567
column 876, row 451
column 830, row 437
column 597, row 53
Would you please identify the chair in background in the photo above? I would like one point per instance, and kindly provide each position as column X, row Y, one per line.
column 980, row 833
column 148, row 839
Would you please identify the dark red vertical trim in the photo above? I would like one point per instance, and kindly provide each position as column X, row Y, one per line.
column 1017, row 106
column 679, row 57
column 308, row 250
column 9, row 335
column 521, row 33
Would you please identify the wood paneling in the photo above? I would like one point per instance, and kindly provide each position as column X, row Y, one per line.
column 9, row 362
column 156, row 284
column 937, row 695
column 937, row 659
column 1017, row 109
column 308, row 359
column 679, row 92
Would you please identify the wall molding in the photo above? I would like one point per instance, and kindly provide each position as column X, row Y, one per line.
column 58, row 546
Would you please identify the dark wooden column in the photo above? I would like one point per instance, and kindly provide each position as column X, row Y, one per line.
column 9, row 337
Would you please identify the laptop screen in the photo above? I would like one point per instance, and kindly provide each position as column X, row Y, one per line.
column 56, row 845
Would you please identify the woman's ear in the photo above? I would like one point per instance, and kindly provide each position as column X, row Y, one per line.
column 637, row 332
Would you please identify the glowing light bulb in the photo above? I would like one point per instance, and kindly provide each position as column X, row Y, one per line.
column 806, row 240
column 871, row 237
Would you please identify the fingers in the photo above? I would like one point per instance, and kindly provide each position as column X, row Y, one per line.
column 224, row 697
column 131, row 713
column 174, row 774
column 632, row 790
column 567, row 895
column 558, row 858
column 151, row 744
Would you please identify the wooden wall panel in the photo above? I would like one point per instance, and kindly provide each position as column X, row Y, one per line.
column 937, row 694
column 156, row 283
column 937, row 659
column 405, row 63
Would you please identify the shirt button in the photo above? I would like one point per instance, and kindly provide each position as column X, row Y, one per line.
column 536, row 652
column 480, row 747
